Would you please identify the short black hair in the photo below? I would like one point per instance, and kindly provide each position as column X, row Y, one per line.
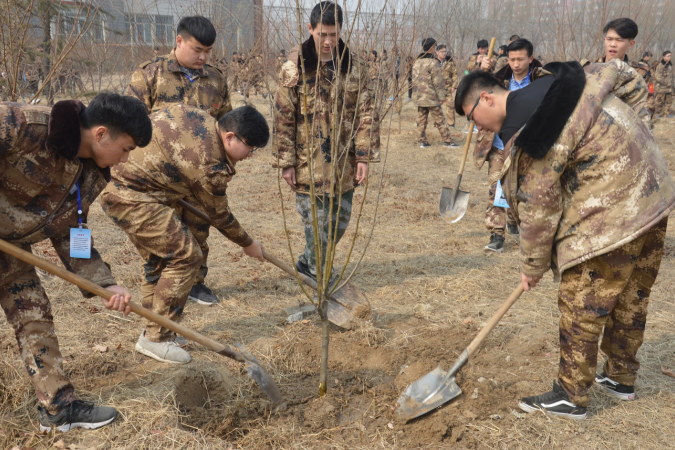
column 667, row 52
column 472, row 85
column 198, row 27
column 248, row 124
column 514, row 37
column 482, row 44
column 521, row 44
column 374, row 53
column 119, row 114
column 646, row 54
column 624, row 27
column 440, row 47
column 324, row 13
column 504, row 48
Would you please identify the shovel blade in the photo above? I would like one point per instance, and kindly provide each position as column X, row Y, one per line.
column 348, row 306
column 259, row 375
column 418, row 399
column 452, row 210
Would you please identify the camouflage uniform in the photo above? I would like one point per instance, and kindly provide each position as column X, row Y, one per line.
column 594, row 208
column 38, row 170
column 450, row 80
column 645, row 71
column 160, row 83
column 429, row 90
column 502, row 61
column 663, row 89
column 305, row 103
column 186, row 159
column 472, row 65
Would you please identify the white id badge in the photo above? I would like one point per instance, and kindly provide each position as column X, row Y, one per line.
column 80, row 243
column 500, row 200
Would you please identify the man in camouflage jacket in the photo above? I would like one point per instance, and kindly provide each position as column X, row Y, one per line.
column 450, row 81
column 307, row 120
column 591, row 193
column 192, row 157
column 184, row 77
column 45, row 155
column 429, row 91
column 664, row 86
column 480, row 60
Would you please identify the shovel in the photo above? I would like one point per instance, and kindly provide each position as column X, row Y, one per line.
column 253, row 367
column 454, row 202
column 345, row 307
column 439, row 387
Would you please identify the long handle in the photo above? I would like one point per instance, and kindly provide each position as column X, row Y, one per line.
column 95, row 289
column 478, row 340
column 277, row 262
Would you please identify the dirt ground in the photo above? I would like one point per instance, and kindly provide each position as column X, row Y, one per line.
column 431, row 287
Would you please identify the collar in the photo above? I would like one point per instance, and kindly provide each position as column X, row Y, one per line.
column 426, row 55
column 525, row 81
column 172, row 64
column 311, row 59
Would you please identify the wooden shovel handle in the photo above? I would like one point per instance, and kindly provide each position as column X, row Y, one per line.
column 494, row 320
column 95, row 289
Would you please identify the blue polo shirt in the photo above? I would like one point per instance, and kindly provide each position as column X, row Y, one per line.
column 513, row 86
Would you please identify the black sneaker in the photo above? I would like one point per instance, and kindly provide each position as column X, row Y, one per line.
column 304, row 269
column 450, row 144
column 78, row 414
column 555, row 402
column 512, row 229
column 202, row 295
column 425, row 145
column 496, row 243
column 622, row 391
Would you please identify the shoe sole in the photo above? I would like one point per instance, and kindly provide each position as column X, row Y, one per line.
column 71, row 426
column 530, row 409
column 201, row 302
column 145, row 352
column 619, row 395
column 488, row 249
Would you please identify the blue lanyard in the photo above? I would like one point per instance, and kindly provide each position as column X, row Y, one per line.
column 79, row 205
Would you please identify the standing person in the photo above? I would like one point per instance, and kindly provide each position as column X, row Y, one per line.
column 502, row 58
column 192, row 157
column 430, row 94
column 489, row 147
column 664, row 86
column 450, row 81
column 184, row 76
column 603, row 235
column 480, row 59
column 332, row 73
column 54, row 162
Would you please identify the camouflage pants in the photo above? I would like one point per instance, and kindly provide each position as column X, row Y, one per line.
column 200, row 230
column 610, row 291
column 170, row 252
column 495, row 217
column 450, row 109
column 339, row 215
column 423, row 119
column 29, row 312
column 663, row 104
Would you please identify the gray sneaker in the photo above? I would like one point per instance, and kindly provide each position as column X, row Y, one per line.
column 77, row 414
column 168, row 352
column 496, row 243
column 450, row 144
column 202, row 295
column 425, row 145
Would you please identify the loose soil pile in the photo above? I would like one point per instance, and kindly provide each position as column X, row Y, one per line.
column 431, row 287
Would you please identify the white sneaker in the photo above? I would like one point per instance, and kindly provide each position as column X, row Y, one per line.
column 168, row 352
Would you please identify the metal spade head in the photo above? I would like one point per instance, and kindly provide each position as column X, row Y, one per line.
column 427, row 394
column 453, row 209
column 262, row 378
column 348, row 306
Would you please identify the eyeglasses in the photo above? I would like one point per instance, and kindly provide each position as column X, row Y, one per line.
column 469, row 117
column 250, row 148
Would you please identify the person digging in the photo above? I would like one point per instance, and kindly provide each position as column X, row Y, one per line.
column 191, row 156
column 53, row 164
column 591, row 193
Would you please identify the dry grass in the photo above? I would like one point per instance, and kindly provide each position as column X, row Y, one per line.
column 425, row 279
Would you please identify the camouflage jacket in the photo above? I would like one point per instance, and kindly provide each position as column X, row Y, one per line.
column 38, row 171
column 502, row 61
column 485, row 138
column 308, row 108
column 473, row 65
column 594, row 186
column 450, row 79
column 663, row 78
column 185, row 158
column 160, row 83
column 428, row 83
